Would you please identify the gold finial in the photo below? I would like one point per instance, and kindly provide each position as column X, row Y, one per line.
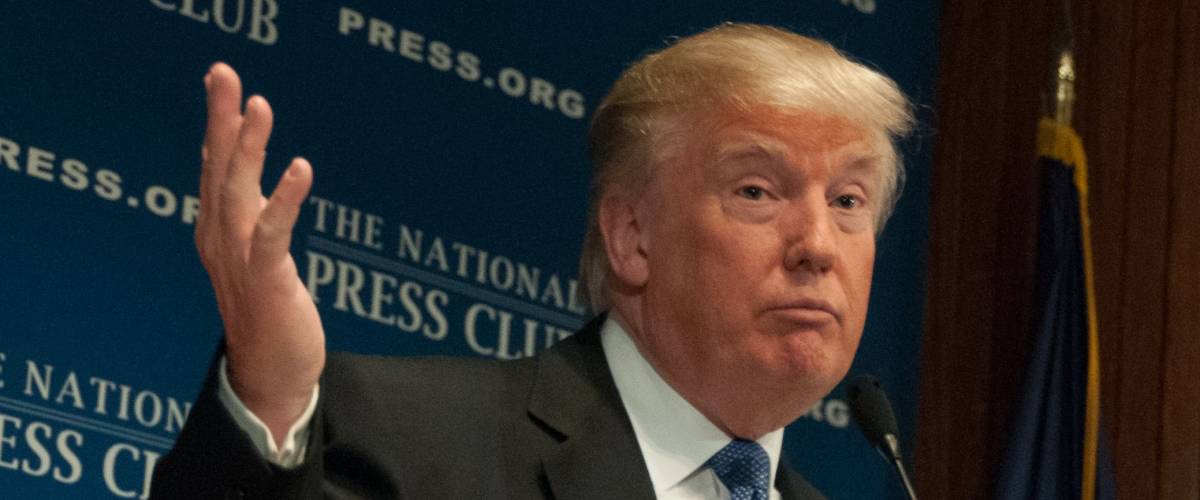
column 1064, row 94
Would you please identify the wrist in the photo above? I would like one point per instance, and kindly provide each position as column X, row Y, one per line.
column 276, row 406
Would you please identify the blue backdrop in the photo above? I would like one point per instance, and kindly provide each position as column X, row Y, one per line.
column 448, row 210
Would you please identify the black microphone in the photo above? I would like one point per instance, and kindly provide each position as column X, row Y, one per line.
column 873, row 414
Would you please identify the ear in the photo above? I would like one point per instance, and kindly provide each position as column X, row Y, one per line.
column 623, row 240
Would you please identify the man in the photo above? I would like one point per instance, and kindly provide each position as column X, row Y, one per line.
column 741, row 178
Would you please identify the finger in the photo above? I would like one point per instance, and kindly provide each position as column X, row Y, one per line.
column 224, row 93
column 273, row 232
column 224, row 110
column 241, row 194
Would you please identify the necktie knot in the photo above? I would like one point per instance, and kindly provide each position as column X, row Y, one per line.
column 744, row 467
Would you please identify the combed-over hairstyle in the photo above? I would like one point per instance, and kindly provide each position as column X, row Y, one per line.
column 730, row 68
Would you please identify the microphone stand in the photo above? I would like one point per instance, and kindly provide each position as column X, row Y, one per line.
column 908, row 486
column 892, row 452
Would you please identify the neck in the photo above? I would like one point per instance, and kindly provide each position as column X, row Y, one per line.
column 740, row 413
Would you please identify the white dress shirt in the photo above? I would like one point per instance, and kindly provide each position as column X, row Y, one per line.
column 675, row 438
column 288, row 456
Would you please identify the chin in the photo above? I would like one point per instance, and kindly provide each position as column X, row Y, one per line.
column 811, row 366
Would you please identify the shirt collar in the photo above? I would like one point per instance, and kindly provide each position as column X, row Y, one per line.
column 675, row 438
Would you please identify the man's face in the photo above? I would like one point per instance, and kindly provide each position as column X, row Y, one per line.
column 759, row 239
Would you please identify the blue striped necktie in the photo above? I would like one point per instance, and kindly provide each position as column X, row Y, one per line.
column 744, row 467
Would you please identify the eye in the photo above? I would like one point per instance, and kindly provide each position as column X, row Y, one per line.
column 847, row 201
column 752, row 192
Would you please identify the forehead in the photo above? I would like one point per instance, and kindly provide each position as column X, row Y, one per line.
column 780, row 134
column 797, row 138
column 702, row 139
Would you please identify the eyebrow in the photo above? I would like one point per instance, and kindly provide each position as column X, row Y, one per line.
column 751, row 146
column 869, row 163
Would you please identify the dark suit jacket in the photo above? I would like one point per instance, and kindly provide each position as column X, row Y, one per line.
column 546, row 427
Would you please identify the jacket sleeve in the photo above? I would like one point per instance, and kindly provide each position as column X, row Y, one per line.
column 214, row 458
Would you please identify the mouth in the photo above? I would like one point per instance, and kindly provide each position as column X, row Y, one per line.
column 807, row 311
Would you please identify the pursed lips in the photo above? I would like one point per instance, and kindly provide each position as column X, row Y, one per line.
column 807, row 310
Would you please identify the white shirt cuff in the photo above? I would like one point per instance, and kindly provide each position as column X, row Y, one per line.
column 291, row 454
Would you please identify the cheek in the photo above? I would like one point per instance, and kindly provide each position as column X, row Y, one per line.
column 708, row 271
column 863, row 269
column 859, row 267
column 700, row 247
column 734, row 262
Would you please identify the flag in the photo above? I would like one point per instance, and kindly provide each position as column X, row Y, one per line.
column 1053, row 450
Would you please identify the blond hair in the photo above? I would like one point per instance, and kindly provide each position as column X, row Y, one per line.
column 737, row 67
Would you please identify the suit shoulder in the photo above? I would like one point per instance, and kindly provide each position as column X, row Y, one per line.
column 424, row 379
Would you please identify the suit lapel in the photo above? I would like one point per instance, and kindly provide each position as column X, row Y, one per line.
column 597, row 456
column 793, row 486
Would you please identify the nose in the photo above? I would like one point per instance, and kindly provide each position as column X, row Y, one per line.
column 810, row 239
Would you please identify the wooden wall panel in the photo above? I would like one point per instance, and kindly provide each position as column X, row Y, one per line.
column 1016, row 208
column 1179, row 473
column 1139, row 390
column 968, row 335
column 935, row 443
column 1139, row 116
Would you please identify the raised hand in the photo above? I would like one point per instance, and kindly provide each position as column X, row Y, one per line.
column 275, row 345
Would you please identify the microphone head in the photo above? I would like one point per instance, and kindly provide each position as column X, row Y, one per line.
column 871, row 411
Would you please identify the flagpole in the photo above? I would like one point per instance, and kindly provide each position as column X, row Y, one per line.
column 1063, row 75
